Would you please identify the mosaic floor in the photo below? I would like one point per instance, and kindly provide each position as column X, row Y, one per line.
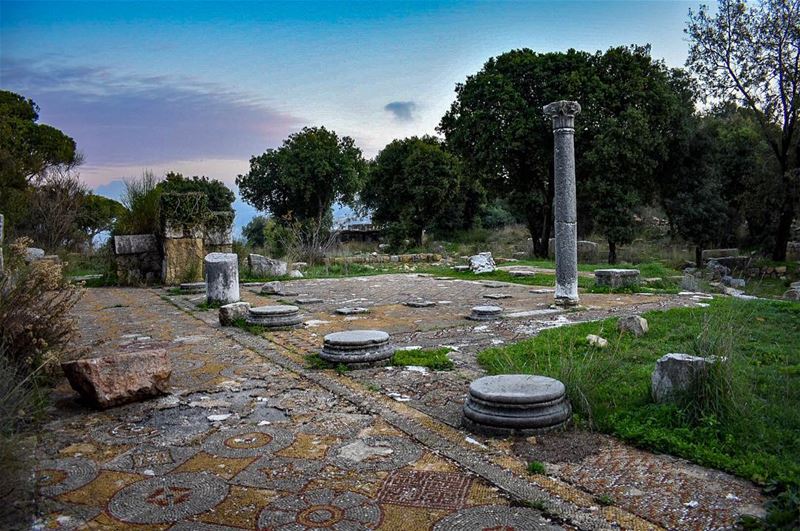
column 251, row 439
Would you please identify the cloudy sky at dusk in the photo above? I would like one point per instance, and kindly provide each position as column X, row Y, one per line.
column 200, row 87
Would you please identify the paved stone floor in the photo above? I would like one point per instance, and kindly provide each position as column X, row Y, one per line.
column 249, row 438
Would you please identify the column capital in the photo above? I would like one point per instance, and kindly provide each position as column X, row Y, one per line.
column 563, row 113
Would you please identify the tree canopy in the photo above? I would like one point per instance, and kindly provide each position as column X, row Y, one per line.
column 632, row 107
column 750, row 53
column 302, row 179
column 410, row 185
column 220, row 197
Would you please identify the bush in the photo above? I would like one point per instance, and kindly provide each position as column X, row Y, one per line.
column 142, row 200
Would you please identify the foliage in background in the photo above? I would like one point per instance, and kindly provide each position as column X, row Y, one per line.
column 749, row 417
column 632, row 106
column 301, row 180
column 98, row 214
column 415, row 185
column 750, row 53
column 141, row 200
column 27, row 149
column 220, row 197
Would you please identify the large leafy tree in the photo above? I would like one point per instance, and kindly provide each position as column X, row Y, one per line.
column 632, row 108
column 302, row 179
column 98, row 214
column 411, row 182
column 27, row 150
column 750, row 53
column 220, row 197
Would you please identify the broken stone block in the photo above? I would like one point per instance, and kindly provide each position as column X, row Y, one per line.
column 135, row 244
column 192, row 287
column 708, row 254
column 33, row 253
column 486, row 313
column 792, row 294
column 262, row 266
column 482, row 263
column 231, row 312
column 461, row 268
column 294, row 273
column 634, row 324
column 350, row 310
column 597, row 341
column 689, row 282
column 675, row 373
column 616, row 278
column 117, row 379
column 737, row 283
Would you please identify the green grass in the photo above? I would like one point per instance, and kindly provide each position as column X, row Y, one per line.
column 772, row 288
column 205, row 305
column 433, row 358
column 314, row 362
column 610, row 388
column 536, row 467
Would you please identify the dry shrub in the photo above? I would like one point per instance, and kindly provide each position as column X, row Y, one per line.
column 309, row 241
column 35, row 301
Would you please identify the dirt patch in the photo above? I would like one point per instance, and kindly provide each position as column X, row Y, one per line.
column 559, row 447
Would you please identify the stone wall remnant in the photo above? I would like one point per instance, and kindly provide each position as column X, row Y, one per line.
column 566, row 214
column 222, row 278
column 138, row 259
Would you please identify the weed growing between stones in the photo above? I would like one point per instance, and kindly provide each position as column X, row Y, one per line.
column 536, row 467
column 205, row 305
column 433, row 358
column 605, row 500
column 314, row 362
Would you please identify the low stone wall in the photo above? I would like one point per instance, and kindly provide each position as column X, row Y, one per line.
column 138, row 259
column 768, row 272
column 384, row 258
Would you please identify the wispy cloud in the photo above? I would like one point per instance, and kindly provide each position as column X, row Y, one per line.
column 147, row 120
column 402, row 110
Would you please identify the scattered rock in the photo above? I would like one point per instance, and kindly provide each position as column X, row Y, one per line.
column 792, row 294
column 420, row 304
column 231, row 312
column 497, row 296
column 219, row 418
column 262, row 266
column 33, row 253
column 120, row 378
column 294, row 273
column 486, row 313
column 482, row 263
column 597, row 341
column 689, row 282
column 634, row 324
column 308, row 300
column 352, row 310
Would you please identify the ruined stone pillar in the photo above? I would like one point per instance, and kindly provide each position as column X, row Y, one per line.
column 566, row 215
column 222, row 278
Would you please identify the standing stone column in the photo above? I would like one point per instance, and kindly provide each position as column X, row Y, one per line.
column 566, row 215
column 222, row 278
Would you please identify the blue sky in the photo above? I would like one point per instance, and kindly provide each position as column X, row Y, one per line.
column 200, row 87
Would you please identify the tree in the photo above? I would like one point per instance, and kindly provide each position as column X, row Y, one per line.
column 409, row 184
column 27, row 150
column 98, row 214
column 631, row 107
column 220, row 197
column 302, row 179
column 255, row 232
column 55, row 204
column 751, row 54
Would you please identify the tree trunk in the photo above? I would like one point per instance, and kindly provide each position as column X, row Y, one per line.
column 783, row 231
column 537, row 239
column 612, row 252
column 698, row 256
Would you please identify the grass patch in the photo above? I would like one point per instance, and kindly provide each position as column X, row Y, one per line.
column 433, row 358
column 205, row 306
column 746, row 418
column 767, row 288
column 536, row 467
column 314, row 362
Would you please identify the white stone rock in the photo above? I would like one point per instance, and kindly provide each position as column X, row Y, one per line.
column 482, row 263
column 634, row 324
column 597, row 341
column 294, row 273
column 262, row 266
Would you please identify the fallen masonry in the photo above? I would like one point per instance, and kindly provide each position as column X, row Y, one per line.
column 486, row 313
column 616, row 278
column 189, row 288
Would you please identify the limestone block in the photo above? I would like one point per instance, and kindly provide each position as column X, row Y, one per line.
column 616, row 278
column 676, row 373
column 482, row 263
column 219, row 236
column 294, row 273
column 731, row 282
column 272, row 288
column 708, row 254
column 262, row 266
column 183, row 260
column 229, row 313
column 135, row 244
column 222, row 278
column 635, row 324
column 116, row 379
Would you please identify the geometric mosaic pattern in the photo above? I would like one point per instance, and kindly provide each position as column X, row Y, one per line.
column 168, row 498
column 63, row 475
column 495, row 518
column 375, row 453
column 435, row 490
column 248, row 442
column 321, row 509
column 279, row 473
